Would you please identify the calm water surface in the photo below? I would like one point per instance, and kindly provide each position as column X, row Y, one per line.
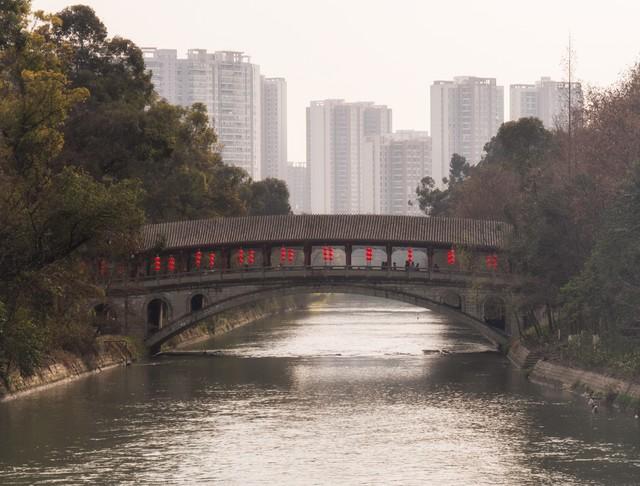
column 339, row 394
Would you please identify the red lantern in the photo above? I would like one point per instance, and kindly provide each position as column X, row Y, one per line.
column 369, row 254
column 283, row 254
column 157, row 264
column 492, row 261
column 252, row 257
column 290, row 255
column 451, row 256
column 212, row 260
column 171, row 264
column 410, row 254
column 331, row 254
column 240, row 256
column 325, row 254
column 198, row 259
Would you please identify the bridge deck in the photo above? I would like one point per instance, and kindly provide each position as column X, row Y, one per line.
column 340, row 274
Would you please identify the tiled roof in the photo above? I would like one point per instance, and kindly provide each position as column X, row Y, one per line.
column 291, row 229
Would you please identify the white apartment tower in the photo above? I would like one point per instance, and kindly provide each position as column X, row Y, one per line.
column 228, row 85
column 465, row 114
column 274, row 128
column 298, row 184
column 405, row 159
column 547, row 100
column 341, row 181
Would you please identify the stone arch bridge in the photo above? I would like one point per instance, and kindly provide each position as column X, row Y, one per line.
column 189, row 271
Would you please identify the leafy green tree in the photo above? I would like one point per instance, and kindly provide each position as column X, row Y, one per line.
column 52, row 218
column 606, row 294
column 123, row 132
column 434, row 201
column 430, row 198
column 266, row 197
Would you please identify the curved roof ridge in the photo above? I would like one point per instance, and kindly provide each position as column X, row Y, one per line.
column 244, row 230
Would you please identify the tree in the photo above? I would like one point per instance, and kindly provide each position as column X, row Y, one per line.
column 435, row 201
column 123, row 131
column 430, row 198
column 266, row 197
column 520, row 146
column 52, row 218
column 459, row 170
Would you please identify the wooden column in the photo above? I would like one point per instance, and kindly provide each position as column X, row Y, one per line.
column 266, row 256
column 389, row 250
column 307, row 254
column 225, row 255
column 348, row 248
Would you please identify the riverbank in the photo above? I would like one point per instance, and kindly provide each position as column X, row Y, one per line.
column 62, row 367
column 224, row 323
column 622, row 394
column 114, row 351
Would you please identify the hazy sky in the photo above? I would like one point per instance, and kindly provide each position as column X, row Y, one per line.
column 386, row 51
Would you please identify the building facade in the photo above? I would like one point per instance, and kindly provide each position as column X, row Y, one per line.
column 298, row 184
column 274, row 128
column 547, row 100
column 405, row 159
column 229, row 85
column 465, row 114
column 340, row 174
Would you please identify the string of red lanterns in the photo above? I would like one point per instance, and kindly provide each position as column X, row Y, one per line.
column 492, row 261
column 451, row 256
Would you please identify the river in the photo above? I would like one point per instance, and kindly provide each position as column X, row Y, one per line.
column 342, row 393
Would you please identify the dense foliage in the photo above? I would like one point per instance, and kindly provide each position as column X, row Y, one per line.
column 573, row 197
column 87, row 154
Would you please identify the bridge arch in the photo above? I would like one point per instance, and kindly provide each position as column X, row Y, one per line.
column 452, row 299
column 181, row 324
column 197, row 301
column 158, row 313
column 494, row 312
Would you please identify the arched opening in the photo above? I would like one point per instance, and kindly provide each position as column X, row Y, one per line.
column 494, row 313
column 448, row 303
column 157, row 314
column 453, row 300
column 196, row 303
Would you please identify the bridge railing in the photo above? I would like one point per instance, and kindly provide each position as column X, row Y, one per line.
column 253, row 273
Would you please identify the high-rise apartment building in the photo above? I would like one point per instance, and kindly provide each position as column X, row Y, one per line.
column 547, row 100
column 298, row 184
column 340, row 180
column 274, row 128
column 405, row 159
column 228, row 84
column 523, row 101
column 465, row 114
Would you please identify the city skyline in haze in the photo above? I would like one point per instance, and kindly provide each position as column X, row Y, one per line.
column 366, row 51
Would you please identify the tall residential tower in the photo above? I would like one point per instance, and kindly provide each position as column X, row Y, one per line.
column 547, row 100
column 229, row 85
column 341, row 181
column 465, row 114
column 274, row 128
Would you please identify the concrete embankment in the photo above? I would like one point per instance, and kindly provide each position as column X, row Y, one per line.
column 620, row 393
column 110, row 352
column 228, row 321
